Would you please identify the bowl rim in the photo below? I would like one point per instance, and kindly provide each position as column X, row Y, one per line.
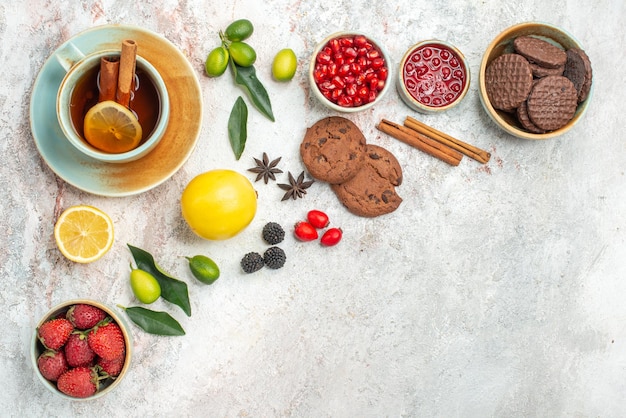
column 494, row 114
column 35, row 352
column 328, row 103
column 410, row 100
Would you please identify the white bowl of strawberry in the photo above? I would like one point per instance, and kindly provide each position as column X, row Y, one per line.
column 81, row 349
column 349, row 72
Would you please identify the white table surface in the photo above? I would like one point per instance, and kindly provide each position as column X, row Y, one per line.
column 494, row 290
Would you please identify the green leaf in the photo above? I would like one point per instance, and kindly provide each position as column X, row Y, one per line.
column 153, row 322
column 237, row 127
column 246, row 77
column 172, row 290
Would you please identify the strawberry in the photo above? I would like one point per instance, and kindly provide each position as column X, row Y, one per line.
column 112, row 367
column 54, row 333
column 77, row 350
column 107, row 341
column 80, row 382
column 52, row 364
column 85, row 316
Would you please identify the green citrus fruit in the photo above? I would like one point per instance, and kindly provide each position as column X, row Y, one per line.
column 145, row 287
column 284, row 65
column 218, row 204
column 239, row 30
column 216, row 62
column 204, row 269
column 242, row 53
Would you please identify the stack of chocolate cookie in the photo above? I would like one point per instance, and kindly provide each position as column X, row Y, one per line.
column 539, row 82
column 363, row 176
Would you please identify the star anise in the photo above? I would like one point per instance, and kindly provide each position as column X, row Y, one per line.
column 296, row 187
column 265, row 169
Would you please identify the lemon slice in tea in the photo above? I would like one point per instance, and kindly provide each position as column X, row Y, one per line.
column 83, row 233
column 111, row 127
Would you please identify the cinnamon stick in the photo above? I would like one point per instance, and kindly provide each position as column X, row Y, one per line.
column 421, row 142
column 107, row 83
column 471, row 151
column 126, row 76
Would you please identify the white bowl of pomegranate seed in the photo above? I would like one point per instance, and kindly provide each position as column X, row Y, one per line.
column 433, row 77
column 349, row 72
column 81, row 349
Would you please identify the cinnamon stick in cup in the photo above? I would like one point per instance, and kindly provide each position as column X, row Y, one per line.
column 107, row 82
column 127, row 72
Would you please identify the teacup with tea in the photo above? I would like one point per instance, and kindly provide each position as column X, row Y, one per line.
column 112, row 105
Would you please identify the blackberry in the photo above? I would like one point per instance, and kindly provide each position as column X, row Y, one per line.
column 274, row 257
column 273, row 233
column 252, row 262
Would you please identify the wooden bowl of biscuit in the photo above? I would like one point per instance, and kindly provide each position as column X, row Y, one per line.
column 535, row 81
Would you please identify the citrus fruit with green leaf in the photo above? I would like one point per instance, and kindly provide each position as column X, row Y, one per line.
column 218, row 204
column 242, row 53
column 216, row 62
column 239, row 30
column 284, row 65
column 145, row 286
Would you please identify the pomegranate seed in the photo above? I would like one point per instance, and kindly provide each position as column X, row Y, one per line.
column 338, row 82
column 378, row 63
column 351, row 90
column 373, row 54
column 346, row 42
column 344, row 101
column 332, row 69
column 360, row 41
column 323, row 58
column 350, row 52
column 334, row 45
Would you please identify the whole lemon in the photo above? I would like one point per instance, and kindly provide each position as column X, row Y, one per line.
column 218, row 204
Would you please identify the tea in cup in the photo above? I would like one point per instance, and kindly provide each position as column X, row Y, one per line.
column 147, row 105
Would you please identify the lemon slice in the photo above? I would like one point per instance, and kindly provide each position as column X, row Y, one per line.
column 111, row 127
column 83, row 233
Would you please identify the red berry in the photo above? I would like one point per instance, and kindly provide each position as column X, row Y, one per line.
column 54, row 333
column 331, row 237
column 317, row 218
column 304, row 231
column 85, row 316
column 52, row 364
column 77, row 351
column 107, row 341
column 80, row 382
column 112, row 367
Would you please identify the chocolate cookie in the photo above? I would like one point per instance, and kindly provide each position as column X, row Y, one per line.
column 578, row 70
column 508, row 80
column 540, row 72
column 540, row 52
column 524, row 120
column 333, row 150
column 552, row 102
column 372, row 191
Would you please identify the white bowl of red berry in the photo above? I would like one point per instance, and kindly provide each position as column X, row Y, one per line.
column 81, row 349
column 349, row 72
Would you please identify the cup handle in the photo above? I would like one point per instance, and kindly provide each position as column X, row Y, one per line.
column 68, row 55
